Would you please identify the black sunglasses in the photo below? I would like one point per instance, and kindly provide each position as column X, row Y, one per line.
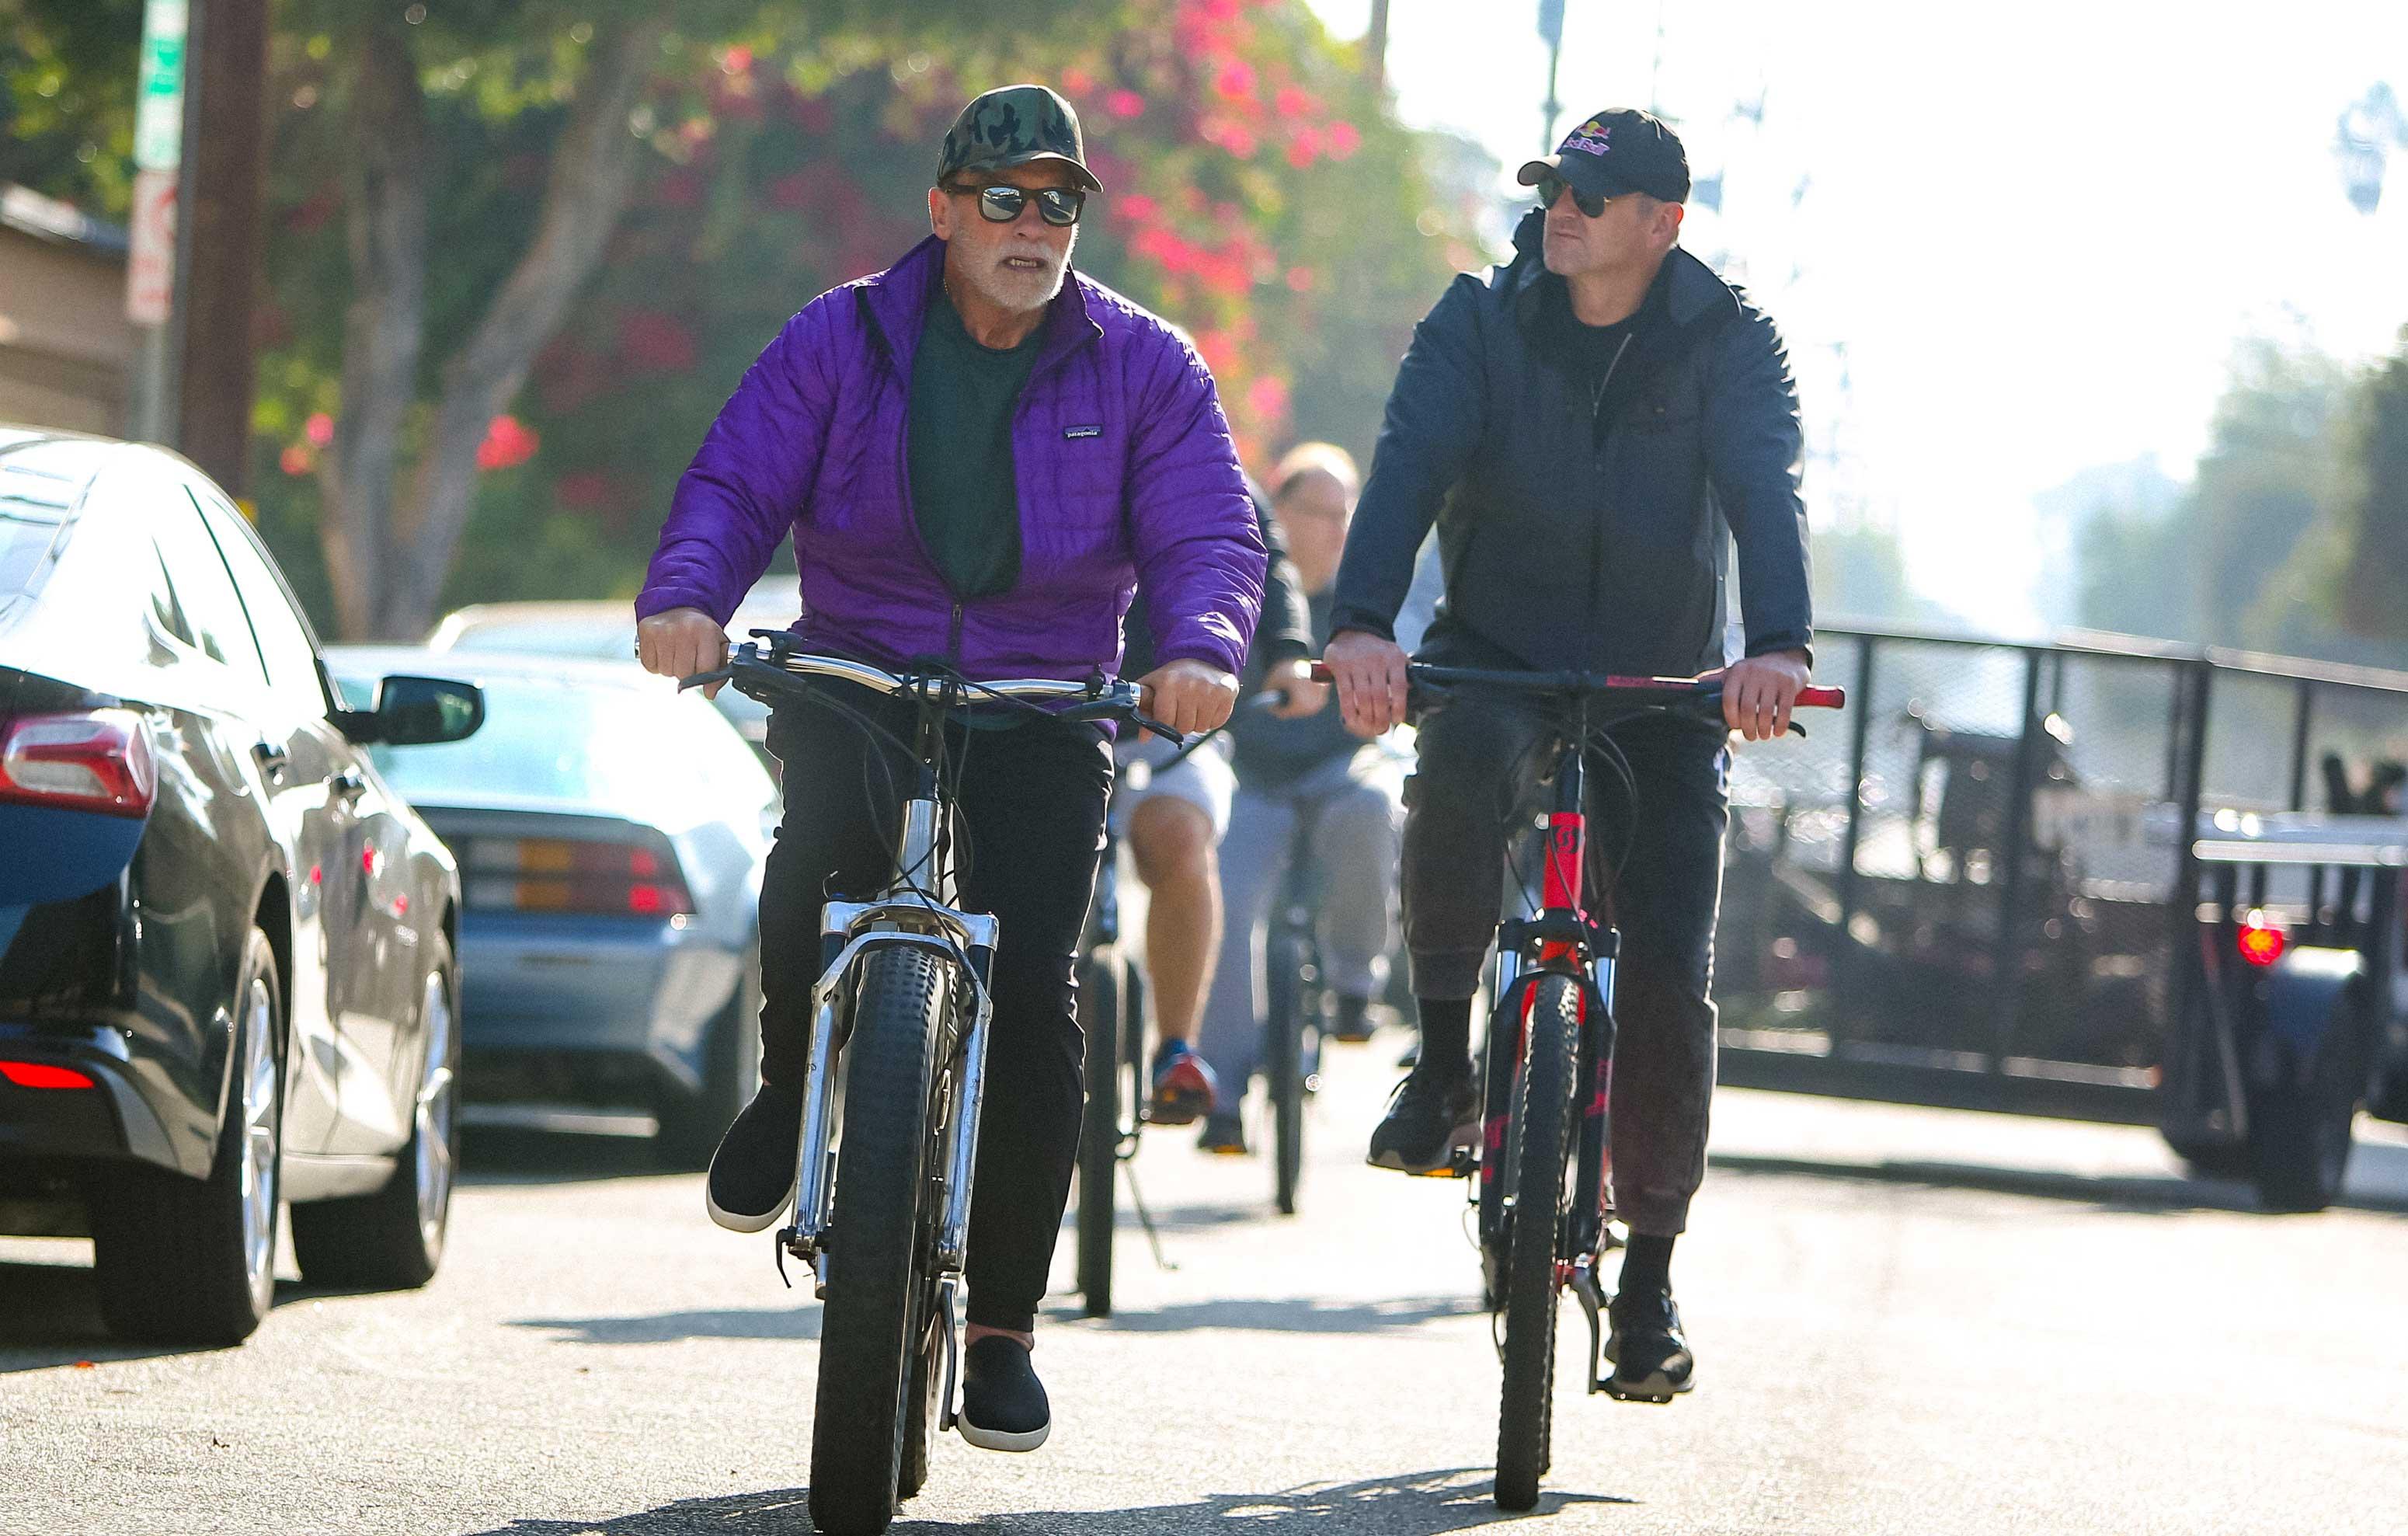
column 1552, row 186
column 1058, row 206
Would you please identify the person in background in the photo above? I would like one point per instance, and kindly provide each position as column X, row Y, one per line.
column 1299, row 768
column 1172, row 807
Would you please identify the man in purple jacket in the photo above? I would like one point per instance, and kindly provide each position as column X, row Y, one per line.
column 979, row 460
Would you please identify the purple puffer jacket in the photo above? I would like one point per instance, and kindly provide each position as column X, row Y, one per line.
column 1125, row 472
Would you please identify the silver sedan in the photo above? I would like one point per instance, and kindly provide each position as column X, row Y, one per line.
column 611, row 834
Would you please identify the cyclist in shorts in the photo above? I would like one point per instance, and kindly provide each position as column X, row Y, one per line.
column 1172, row 807
column 1308, row 769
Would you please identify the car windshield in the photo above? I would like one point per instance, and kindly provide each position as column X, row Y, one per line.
column 610, row 638
column 605, row 745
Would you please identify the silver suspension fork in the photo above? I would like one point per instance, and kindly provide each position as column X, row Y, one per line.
column 864, row 925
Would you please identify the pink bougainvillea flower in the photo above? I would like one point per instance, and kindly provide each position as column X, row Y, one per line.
column 1124, row 104
column 1300, row 278
column 1267, row 398
column 736, row 60
column 1138, row 207
column 508, row 443
column 1344, row 139
column 1304, row 149
column 319, row 428
column 1295, row 102
column 1235, row 79
column 1077, row 82
column 296, row 460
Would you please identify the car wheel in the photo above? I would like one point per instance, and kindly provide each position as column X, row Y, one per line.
column 690, row 1124
column 185, row 1260
column 392, row 1239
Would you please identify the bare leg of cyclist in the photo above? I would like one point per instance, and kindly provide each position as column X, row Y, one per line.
column 1174, row 846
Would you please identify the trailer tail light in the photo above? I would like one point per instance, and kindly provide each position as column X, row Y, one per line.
column 637, row 877
column 97, row 760
column 2261, row 942
column 35, row 1074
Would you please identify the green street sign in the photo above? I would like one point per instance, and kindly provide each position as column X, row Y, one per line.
column 159, row 104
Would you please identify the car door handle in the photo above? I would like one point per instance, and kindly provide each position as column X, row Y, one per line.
column 272, row 759
column 348, row 784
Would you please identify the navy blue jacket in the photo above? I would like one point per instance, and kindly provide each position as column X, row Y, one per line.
column 1571, row 543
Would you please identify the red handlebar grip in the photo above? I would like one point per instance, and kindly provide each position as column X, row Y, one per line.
column 1321, row 672
column 1822, row 699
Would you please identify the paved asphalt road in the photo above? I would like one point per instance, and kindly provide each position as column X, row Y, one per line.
column 1909, row 1322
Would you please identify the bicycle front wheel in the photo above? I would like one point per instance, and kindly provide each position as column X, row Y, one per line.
column 869, row 1334
column 1542, row 1148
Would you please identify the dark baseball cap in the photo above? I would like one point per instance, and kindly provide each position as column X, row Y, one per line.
column 1016, row 125
column 1618, row 150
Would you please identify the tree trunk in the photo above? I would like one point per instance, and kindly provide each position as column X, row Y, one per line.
column 390, row 538
column 593, row 168
column 385, row 325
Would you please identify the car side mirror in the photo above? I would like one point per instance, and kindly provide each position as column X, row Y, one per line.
column 415, row 711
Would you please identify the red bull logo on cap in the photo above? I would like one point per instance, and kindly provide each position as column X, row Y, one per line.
column 1590, row 138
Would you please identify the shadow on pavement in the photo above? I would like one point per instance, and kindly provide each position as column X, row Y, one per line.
column 49, row 1316
column 799, row 1321
column 506, row 1154
column 1410, row 1504
column 1292, row 1314
column 2127, row 1194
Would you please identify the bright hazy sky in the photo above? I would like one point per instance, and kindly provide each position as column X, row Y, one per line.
column 2036, row 229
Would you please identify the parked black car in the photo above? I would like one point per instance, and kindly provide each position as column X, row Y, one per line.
column 226, row 947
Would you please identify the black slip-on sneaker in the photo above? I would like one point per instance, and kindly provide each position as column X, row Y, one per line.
column 754, row 1173
column 1003, row 1403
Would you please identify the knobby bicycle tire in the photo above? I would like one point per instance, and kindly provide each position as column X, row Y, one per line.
column 1099, row 1129
column 1284, row 1069
column 1526, row 1405
column 867, row 1324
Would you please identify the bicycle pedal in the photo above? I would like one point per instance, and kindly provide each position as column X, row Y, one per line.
column 1462, row 1163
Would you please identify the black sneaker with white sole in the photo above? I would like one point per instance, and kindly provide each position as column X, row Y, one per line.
column 1650, row 1357
column 1004, row 1406
column 752, row 1174
column 1429, row 1115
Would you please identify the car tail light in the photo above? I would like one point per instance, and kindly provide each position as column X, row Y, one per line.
column 97, row 760
column 2261, row 941
column 623, row 878
column 35, row 1074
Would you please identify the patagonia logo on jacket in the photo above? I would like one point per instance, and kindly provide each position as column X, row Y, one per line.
column 1082, row 431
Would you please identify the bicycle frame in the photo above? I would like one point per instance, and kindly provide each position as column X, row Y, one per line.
column 917, row 908
column 1564, row 940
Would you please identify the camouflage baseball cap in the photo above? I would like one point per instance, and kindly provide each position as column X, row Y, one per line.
column 1016, row 125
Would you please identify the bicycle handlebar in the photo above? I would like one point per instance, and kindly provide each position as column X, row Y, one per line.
column 1644, row 693
column 783, row 671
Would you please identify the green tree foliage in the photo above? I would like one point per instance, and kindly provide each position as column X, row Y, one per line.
column 2202, row 572
column 502, row 302
column 66, row 99
column 2372, row 513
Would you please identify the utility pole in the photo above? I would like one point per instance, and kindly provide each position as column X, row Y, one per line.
column 1551, row 29
column 1375, row 46
column 221, row 202
column 153, row 258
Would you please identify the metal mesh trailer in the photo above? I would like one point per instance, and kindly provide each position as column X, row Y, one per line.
column 2002, row 880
